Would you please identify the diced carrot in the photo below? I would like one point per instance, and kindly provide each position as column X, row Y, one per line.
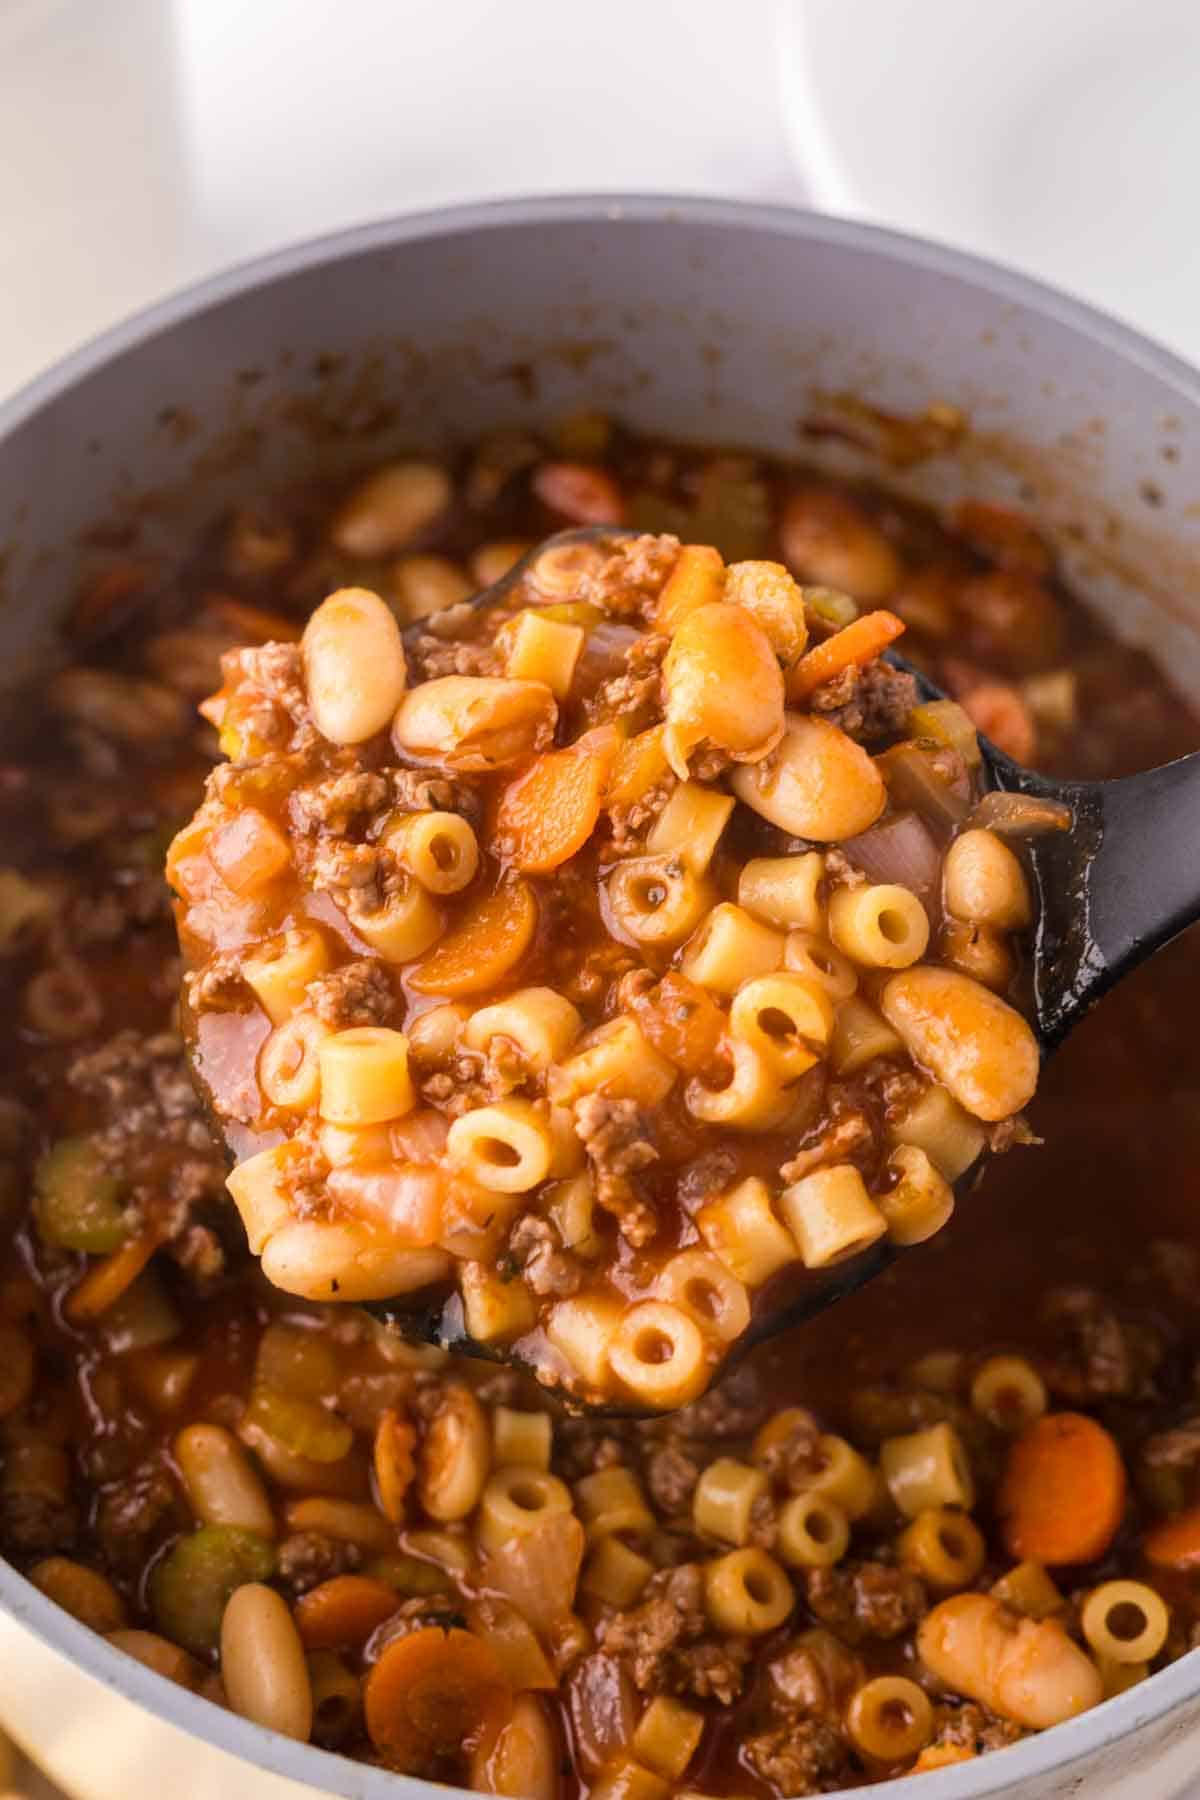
column 432, row 1696
column 697, row 579
column 341, row 1614
column 682, row 1021
column 852, row 646
column 997, row 709
column 395, row 1441
column 1062, row 1494
column 550, row 811
column 1175, row 1544
column 641, row 765
column 579, row 492
column 489, row 941
column 942, row 1756
column 106, row 1281
column 248, row 851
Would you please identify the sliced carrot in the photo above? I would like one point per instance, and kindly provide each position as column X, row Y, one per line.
column 855, row 644
column 489, row 940
column 697, row 579
column 1175, row 1544
column 432, row 1696
column 395, row 1466
column 1062, row 1494
column 106, row 1281
column 580, row 492
column 641, row 765
column 550, row 811
column 341, row 1614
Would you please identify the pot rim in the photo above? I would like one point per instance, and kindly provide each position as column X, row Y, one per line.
column 1054, row 1750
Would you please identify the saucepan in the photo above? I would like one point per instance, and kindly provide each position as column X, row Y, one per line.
column 692, row 318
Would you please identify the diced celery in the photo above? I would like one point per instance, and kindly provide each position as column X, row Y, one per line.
column 76, row 1203
column 301, row 1426
column 189, row 1588
column 945, row 722
column 298, row 1362
column 834, row 607
column 409, row 1575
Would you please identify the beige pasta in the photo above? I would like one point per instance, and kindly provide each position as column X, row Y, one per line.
column 984, row 883
column 354, row 666
column 921, row 1200
column 784, row 890
column 741, row 1228
column 262, row 1662
column 495, row 1310
column 860, row 1036
column 521, row 1439
column 845, row 1477
column 222, row 1486
column 289, row 1064
column 1028, row 1589
column 615, row 1059
column 813, row 1532
column 515, row 1501
column 656, row 900
column 505, row 1147
column 542, row 1024
column 785, row 1018
column 944, row 1546
column 747, row 1592
column 753, row 1099
column 657, row 1351
column 1125, row 1621
column 391, row 508
column 731, row 947
column 667, row 1736
column 612, row 1500
column 581, row 1329
column 406, row 925
column 545, row 650
column 831, row 1215
column 625, row 1779
column 261, row 1188
column 280, row 970
column 690, row 825
column 1008, row 1392
column 614, row 1574
column 881, row 927
column 937, row 1124
column 926, row 1469
column 806, row 953
column 890, row 1719
column 439, row 848
column 364, row 1076
column 725, row 1497
column 700, row 1283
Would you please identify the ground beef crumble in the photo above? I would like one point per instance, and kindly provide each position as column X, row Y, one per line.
column 869, row 703
column 338, row 802
column 969, row 1727
column 861, row 1600
column 545, row 1264
column 804, row 1756
column 307, row 1558
column 664, row 1643
column 616, row 1136
column 1100, row 1357
column 359, row 993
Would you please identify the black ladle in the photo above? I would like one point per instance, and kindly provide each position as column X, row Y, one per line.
column 1120, row 883
column 1116, row 886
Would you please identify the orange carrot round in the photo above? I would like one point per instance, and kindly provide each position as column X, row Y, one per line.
column 858, row 643
column 341, row 1613
column 489, row 940
column 395, row 1442
column 1062, row 1494
column 432, row 1696
column 1175, row 1544
column 550, row 811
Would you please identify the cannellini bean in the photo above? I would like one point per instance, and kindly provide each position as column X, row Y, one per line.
column 475, row 722
column 140, row 713
column 828, row 539
column 347, row 1261
column 262, row 1662
column 391, row 508
column 819, row 784
column 984, row 883
column 774, row 598
column 354, row 665
column 723, row 687
column 1027, row 1670
column 524, row 1760
column 970, row 1040
column 455, row 1456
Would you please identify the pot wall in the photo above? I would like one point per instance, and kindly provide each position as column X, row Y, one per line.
column 693, row 318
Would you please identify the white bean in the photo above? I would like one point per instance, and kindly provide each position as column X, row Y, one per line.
column 262, row 1662
column 354, row 666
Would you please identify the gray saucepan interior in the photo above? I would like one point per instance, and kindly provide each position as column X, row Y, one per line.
column 699, row 319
